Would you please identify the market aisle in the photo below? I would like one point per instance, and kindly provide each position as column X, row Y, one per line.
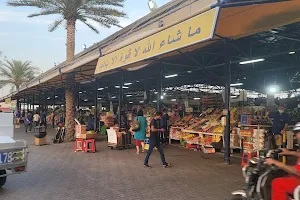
column 56, row 172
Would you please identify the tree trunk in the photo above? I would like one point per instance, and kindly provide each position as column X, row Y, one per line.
column 70, row 106
column 70, row 39
column 70, row 93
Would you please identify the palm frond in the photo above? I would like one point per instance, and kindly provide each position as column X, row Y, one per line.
column 55, row 24
column 16, row 72
column 32, row 3
column 103, row 11
column 89, row 25
column 46, row 12
column 118, row 3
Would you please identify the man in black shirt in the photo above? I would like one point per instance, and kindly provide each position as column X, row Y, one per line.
column 164, row 124
column 154, row 140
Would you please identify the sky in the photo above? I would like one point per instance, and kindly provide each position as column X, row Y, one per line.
column 24, row 38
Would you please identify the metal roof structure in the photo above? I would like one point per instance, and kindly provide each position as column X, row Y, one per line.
column 199, row 64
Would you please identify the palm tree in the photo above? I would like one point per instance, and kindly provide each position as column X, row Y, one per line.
column 16, row 73
column 71, row 11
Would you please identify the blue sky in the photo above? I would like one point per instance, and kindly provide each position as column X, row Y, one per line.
column 26, row 38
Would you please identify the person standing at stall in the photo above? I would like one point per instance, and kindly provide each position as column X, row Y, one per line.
column 140, row 135
column 36, row 118
column 43, row 119
column 18, row 117
column 279, row 120
column 164, row 124
column 28, row 122
column 154, row 140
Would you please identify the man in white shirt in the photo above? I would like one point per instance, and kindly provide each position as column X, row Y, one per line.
column 36, row 118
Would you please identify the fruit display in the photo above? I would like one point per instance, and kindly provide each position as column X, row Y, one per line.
column 185, row 121
column 258, row 138
column 257, row 115
column 189, row 137
column 212, row 100
column 209, row 122
column 107, row 119
column 207, row 128
column 175, row 133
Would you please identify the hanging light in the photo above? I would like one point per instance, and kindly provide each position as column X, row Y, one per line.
column 171, row 76
column 252, row 61
column 292, row 52
column 236, row 84
column 273, row 88
column 152, row 5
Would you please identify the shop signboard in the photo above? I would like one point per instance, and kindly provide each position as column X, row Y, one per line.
column 192, row 31
column 189, row 109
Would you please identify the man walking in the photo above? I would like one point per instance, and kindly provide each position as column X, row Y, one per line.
column 154, row 140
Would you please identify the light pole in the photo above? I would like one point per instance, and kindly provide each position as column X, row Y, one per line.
column 152, row 5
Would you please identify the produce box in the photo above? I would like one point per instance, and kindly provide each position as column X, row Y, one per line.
column 208, row 149
column 87, row 136
column 246, row 131
column 248, row 145
column 80, row 129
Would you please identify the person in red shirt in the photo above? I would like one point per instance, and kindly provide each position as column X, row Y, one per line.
column 282, row 187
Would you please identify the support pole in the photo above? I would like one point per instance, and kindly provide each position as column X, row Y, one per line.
column 46, row 102
column 28, row 105
column 53, row 101
column 96, row 107
column 33, row 103
column 147, row 93
column 227, row 103
column 39, row 104
column 120, row 100
column 78, row 95
column 159, row 88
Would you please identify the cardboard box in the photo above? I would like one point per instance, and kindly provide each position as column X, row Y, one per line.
column 87, row 136
column 79, row 130
column 40, row 141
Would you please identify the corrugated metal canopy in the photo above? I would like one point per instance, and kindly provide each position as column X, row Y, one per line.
column 237, row 19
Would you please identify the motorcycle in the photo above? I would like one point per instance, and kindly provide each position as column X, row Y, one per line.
column 258, row 179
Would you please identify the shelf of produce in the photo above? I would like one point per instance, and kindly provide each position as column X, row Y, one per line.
column 174, row 139
column 176, row 127
column 203, row 133
column 261, row 126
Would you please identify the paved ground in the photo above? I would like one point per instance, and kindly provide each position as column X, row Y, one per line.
column 55, row 172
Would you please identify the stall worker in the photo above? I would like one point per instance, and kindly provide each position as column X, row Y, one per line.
column 279, row 120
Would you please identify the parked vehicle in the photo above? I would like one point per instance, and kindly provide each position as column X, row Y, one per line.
column 13, row 153
column 13, row 159
column 258, row 179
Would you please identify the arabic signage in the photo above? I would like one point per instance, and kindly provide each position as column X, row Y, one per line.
column 195, row 30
